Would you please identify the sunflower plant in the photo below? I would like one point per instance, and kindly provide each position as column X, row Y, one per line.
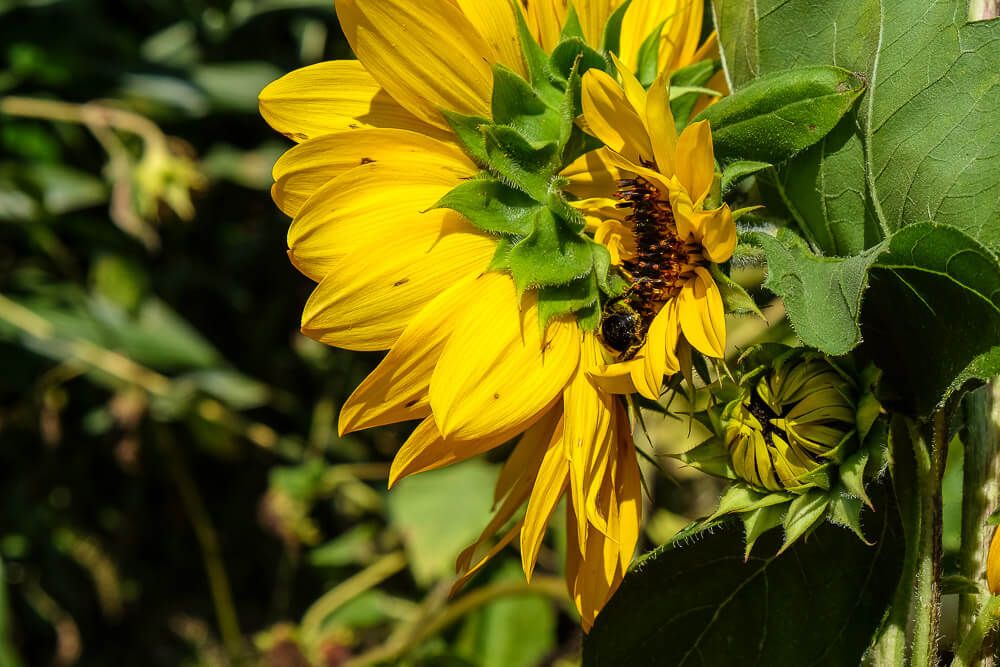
column 539, row 210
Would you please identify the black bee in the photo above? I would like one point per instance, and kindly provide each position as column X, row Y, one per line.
column 654, row 273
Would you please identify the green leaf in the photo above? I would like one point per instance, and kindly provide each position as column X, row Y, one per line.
column 852, row 474
column 559, row 300
column 551, row 255
column 701, row 604
column 822, row 294
column 778, row 116
column 515, row 631
column 923, row 143
column 467, row 129
column 417, row 504
column 492, row 206
column 349, row 548
column 934, row 297
column 735, row 172
column 734, row 297
column 613, row 30
column 687, row 87
column 518, row 162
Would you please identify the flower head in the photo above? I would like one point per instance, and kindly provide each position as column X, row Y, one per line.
column 672, row 238
column 400, row 158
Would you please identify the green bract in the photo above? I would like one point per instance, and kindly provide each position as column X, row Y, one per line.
column 800, row 437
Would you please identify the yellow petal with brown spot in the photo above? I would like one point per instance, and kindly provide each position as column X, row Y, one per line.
column 371, row 294
column 334, row 96
column 494, row 373
column 368, row 204
column 426, row 54
column 398, row 389
column 306, row 168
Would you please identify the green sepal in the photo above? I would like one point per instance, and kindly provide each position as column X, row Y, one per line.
column 956, row 584
column 805, row 513
column 779, row 115
column 740, row 497
column 510, row 155
column 845, row 510
column 469, row 133
column 501, row 256
column 571, row 27
column 493, row 206
column 552, row 255
column 557, row 300
column 710, row 457
column 574, row 54
column 734, row 172
column 649, row 57
column 734, row 297
column 589, row 318
column 852, row 475
column 608, row 281
column 535, row 58
column 994, row 518
column 611, row 42
column 758, row 522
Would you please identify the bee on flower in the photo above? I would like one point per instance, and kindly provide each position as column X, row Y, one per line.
column 426, row 192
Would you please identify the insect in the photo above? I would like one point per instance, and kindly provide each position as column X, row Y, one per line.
column 661, row 258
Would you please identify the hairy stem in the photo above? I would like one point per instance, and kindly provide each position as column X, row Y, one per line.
column 975, row 642
column 980, row 496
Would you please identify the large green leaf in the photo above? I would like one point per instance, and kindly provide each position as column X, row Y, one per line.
column 923, row 142
column 712, row 608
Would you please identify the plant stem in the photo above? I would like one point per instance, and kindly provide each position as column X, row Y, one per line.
column 391, row 651
column 980, row 496
column 925, row 603
column 208, row 542
column 975, row 642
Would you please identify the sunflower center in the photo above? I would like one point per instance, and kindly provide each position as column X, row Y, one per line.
column 662, row 262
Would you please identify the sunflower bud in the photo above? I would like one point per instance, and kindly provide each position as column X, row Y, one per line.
column 794, row 416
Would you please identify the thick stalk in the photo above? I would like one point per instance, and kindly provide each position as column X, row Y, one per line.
column 980, row 497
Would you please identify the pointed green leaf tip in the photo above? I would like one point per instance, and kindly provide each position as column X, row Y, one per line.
column 493, row 206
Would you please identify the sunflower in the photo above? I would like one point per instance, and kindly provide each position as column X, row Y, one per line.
column 666, row 242
column 468, row 355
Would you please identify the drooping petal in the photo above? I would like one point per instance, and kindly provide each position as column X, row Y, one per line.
column 617, row 378
column 587, row 573
column 496, row 22
column 524, row 461
column 306, row 168
column 398, row 389
column 718, row 233
column 612, row 118
column 660, row 350
column 371, row 294
column 696, row 160
column 547, row 490
column 427, row 55
column 702, row 314
column 494, row 372
column 368, row 204
column 426, row 449
column 628, row 490
column 330, row 97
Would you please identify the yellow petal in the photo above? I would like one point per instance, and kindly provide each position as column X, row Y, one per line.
column 333, row 97
column 545, row 20
column 612, row 118
column 592, row 175
column 594, row 15
column 635, row 93
column 427, row 54
column 397, row 390
column 659, row 351
column 372, row 293
column 494, row 373
column 426, row 449
column 681, row 33
column 368, row 204
column 629, row 490
column 702, row 314
column 718, row 233
column 547, row 490
column 523, row 463
column 304, row 169
column 616, row 378
column 660, row 125
column 993, row 564
column 641, row 18
column 589, row 581
column 496, row 22
column 696, row 160
column 466, row 569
